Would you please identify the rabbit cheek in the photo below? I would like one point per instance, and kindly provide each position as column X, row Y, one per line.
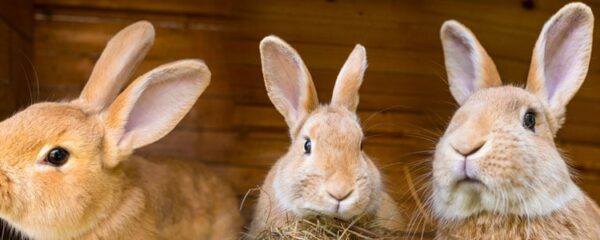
column 364, row 199
column 452, row 196
column 305, row 196
column 506, row 163
column 447, row 165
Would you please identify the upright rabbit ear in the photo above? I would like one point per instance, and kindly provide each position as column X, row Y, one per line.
column 118, row 61
column 469, row 66
column 287, row 80
column 347, row 84
column 561, row 57
column 153, row 104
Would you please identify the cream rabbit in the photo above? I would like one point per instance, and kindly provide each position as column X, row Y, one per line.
column 497, row 173
column 66, row 170
column 325, row 171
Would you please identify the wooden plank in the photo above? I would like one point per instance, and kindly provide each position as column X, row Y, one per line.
column 175, row 6
column 175, row 38
column 14, row 69
column 402, row 23
column 19, row 16
column 413, row 25
column 5, row 45
column 582, row 156
column 579, row 133
column 590, row 183
column 23, row 79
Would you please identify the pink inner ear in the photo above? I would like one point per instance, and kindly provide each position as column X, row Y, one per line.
column 463, row 62
column 286, row 77
column 290, row 84
column 564, row 48
column 159, row 104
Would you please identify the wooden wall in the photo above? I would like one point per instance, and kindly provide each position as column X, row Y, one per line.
column 17, row 80
column 405, row 102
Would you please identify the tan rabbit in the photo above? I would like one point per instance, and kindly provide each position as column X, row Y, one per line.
column 66, row 170
column 325, row 171
column 497, row 173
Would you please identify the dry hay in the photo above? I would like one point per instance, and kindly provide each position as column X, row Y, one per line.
column 322, row 228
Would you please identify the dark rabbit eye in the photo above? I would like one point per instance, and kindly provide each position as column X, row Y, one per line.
column 529, row 120
column 361, row 145
column 307, row 146
column 57, row 156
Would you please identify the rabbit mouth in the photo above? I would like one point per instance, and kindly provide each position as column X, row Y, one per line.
column 336, row 211
column 469, row 180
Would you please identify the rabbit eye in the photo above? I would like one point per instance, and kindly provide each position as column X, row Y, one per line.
column 361, row 145
column 57, row 156
column 307, row 146
column 529, row 120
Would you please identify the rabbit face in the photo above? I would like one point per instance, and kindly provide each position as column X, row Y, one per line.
column 498, row 153
column 328, row 173
column 60, row 171
column 325, row 171
column 51, row 150
column 493, row 154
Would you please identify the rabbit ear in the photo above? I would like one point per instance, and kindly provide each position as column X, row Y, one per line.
column 118, row 61
column 561, row 57
column 347, row 84
column 153, row 104
column 469, row 66
column 288, row 82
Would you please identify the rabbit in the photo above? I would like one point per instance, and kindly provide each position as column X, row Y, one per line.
column 325, row 172
column 67, row 169
column 496, row 171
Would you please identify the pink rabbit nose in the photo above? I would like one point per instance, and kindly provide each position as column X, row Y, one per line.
column 340, row 185
column 467, row 150
column 340, row 195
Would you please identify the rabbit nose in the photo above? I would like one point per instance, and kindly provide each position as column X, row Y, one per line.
column 340, row 194
column 468, row 150
column 339, row 186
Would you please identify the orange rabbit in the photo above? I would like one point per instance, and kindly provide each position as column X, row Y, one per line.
column 325, row 172
column 67, row 172
column 497, row 173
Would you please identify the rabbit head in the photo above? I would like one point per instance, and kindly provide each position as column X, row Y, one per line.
column 60, row 171
column 498, row 153
column 325, row 171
